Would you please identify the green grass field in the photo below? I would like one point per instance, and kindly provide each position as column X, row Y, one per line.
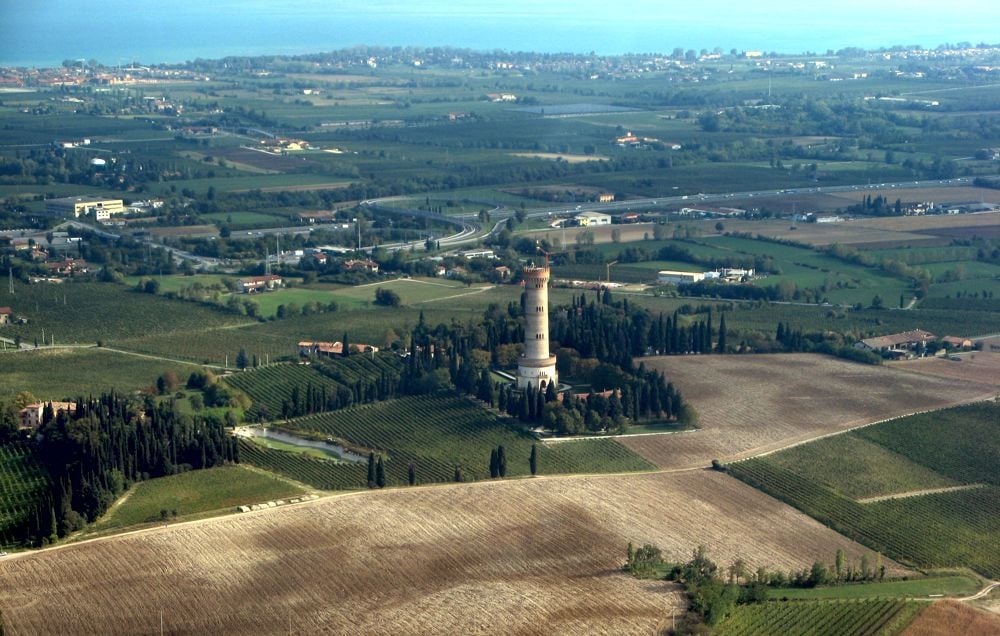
column 932, row 586
column 193, row 493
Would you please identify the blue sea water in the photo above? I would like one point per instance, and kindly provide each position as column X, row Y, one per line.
column 46, row 32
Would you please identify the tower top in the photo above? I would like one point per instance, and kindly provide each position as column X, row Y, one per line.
column 535, row 271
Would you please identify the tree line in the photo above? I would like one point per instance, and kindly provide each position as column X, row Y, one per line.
column 95, row 453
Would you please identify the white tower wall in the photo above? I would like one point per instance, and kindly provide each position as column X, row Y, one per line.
column 537, row 365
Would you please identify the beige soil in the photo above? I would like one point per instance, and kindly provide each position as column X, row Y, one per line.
column 526, row 556
column 758, row 403
column 982, row 367
column 947, row 618
column 557, row 155
column 846, row 233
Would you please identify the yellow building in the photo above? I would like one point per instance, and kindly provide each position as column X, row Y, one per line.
column 75, row 206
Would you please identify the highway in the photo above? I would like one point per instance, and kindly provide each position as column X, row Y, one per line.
column 470, row 231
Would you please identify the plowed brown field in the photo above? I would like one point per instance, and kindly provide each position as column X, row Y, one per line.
column 525, row 557
column 753, row 404
column 946, row 618
column 982, row 367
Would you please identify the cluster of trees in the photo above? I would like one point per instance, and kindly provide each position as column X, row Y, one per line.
column 877, row 206
column 94, row 454
column 711, row 598
column 615, row 332
column 376, row 471
column 498, row 463
column 713, row 592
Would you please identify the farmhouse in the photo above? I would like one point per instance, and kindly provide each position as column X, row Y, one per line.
column 31, row 415
column 68, row 267
column 6, row 315
column 590, row 219
column 897, row 341
column 357, row 265
column 605, row 197
column 679, row 278
column 954, row 342
column 75, row 206
column 309, row 348
column 260, row 283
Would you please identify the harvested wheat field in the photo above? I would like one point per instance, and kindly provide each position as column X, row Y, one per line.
column 982, row 367
column 946, row 618
column 521, row 557
column 758, row 403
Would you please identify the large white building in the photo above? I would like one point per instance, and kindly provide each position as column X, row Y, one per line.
column 537, row 366
column 100, row 207
column 679, row 278
column 590, row 219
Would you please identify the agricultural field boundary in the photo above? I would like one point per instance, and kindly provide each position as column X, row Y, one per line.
column 468, row 293
column 918, row 493
column 748, row 455
column 583, row 438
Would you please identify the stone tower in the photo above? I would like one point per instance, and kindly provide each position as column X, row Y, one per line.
column 537, row 365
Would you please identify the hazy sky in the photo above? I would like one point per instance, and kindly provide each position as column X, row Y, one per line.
column 175, row 30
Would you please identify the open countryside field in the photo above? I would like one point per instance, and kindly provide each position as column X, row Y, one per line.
column 855, row 232
column 59, row 373
column 982, row 367
column 536, row 556
column 194, row 492
column 951, row 617
column 930, row 528
column 752, row 404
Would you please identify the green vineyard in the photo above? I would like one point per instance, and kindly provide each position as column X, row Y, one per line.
column 935, row 530
column 962, row 443
column 436, row 434
column 835, row 618
column 22, row 482
column 313, row 471
column 290, row 390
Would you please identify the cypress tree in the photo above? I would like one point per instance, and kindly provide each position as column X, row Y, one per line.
column 458, row 473
column 721, row 344
column 411, row 473
column 501, row 462
column 533, row 460
column 494, row 464
column 380, row 473
column 371, row 469
column 346, row 350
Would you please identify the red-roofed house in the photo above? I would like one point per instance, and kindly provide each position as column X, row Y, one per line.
column 6, row 315
column 260, row 283
column 31, row 415
column 361, row 266
column 308, row 348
